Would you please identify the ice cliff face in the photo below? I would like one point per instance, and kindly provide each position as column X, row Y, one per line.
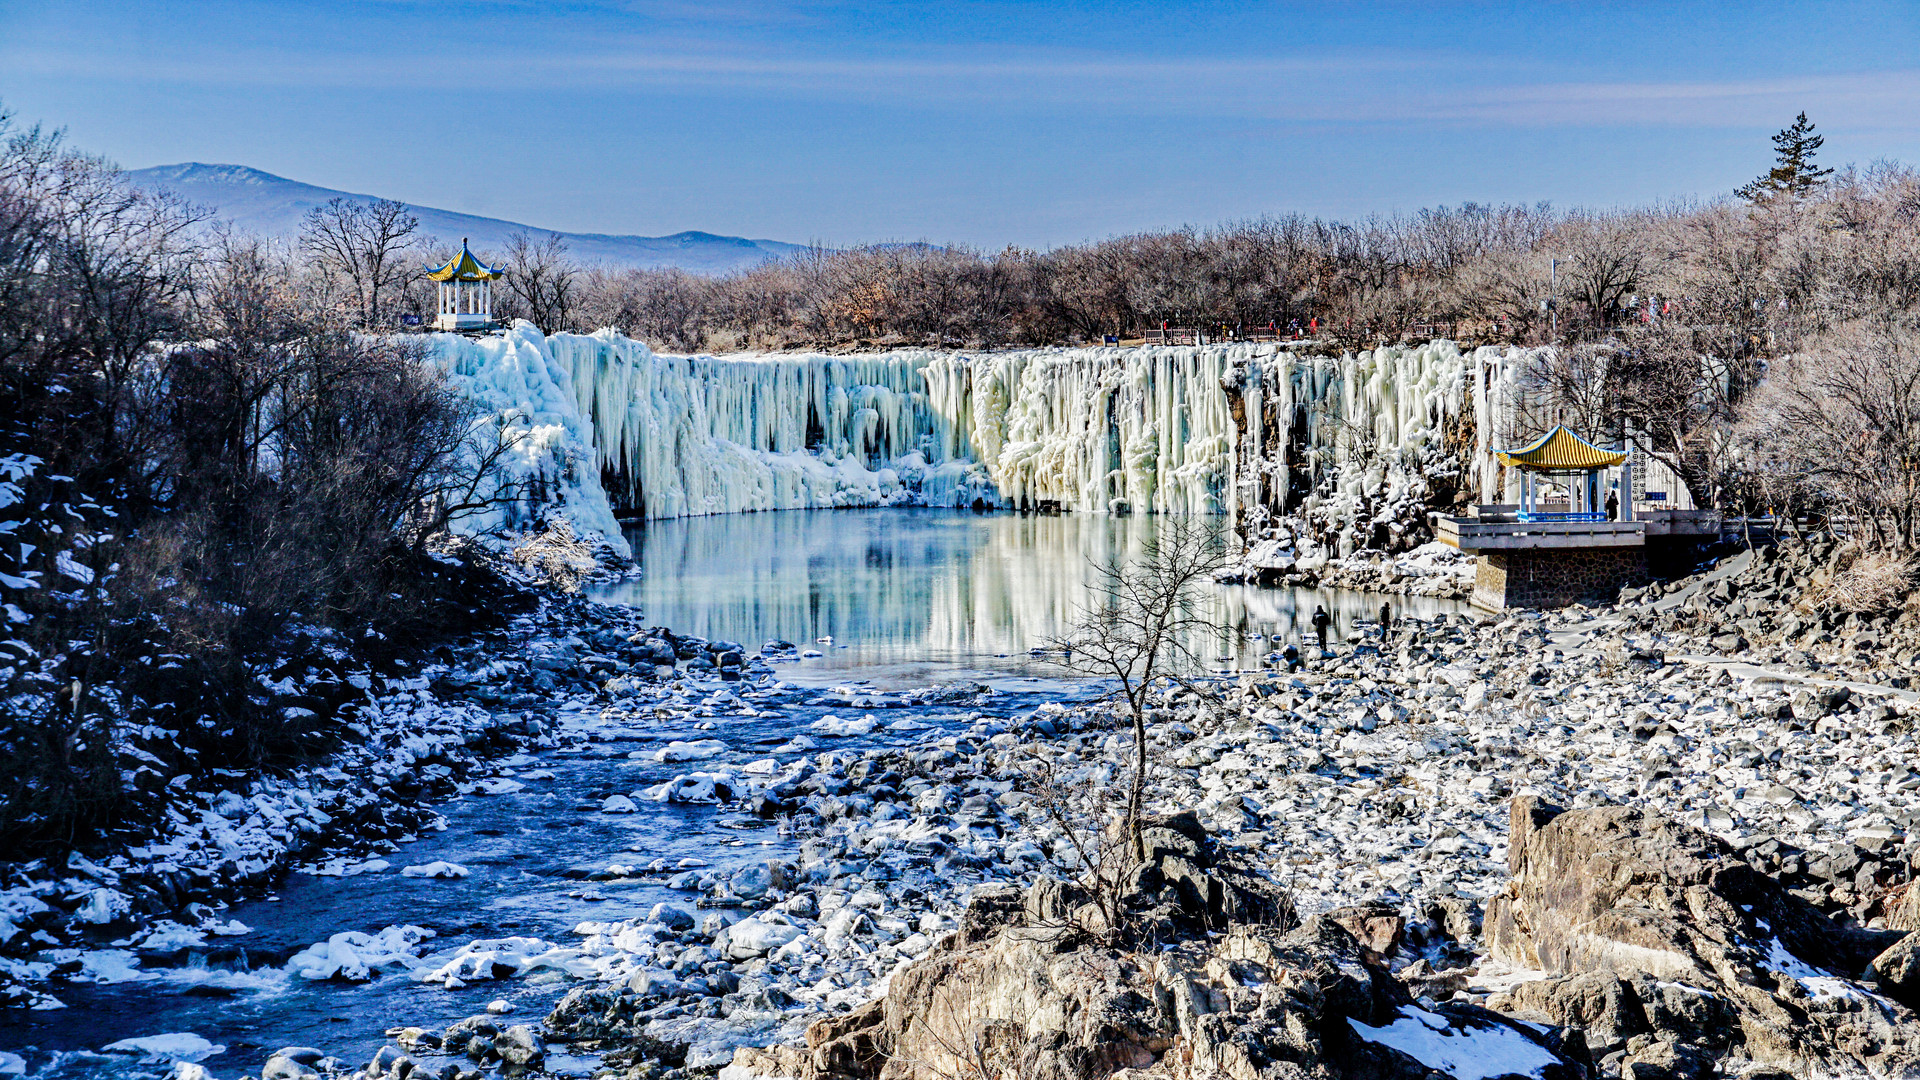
column 527, row 401
column 1352, row 445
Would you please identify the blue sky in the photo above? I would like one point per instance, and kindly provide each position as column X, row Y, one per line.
column 983, row 123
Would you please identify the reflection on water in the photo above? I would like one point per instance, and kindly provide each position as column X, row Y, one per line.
column 913, row 596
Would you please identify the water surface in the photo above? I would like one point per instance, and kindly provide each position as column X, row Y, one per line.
column 911, row 597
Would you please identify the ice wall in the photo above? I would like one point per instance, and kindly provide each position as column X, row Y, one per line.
column 526, row 399
column 713, row 435
column 1093, row 429
column 1252, row 430
column 1357, row 434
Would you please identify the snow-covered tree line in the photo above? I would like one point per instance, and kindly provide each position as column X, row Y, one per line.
column 206, row 476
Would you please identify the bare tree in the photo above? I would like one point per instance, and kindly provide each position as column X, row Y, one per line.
column 540, row 278
column 1141, row 626
column 1607, row 258
column 1845, row 416
column 364, row 245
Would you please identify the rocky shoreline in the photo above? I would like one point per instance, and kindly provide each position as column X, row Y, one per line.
column 1430, row 570
column 1388, row 793
column 420, row 735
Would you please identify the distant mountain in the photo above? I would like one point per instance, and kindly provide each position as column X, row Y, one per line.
column 273, row 206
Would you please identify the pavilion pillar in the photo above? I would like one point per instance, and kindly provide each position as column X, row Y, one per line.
column 1626, row 485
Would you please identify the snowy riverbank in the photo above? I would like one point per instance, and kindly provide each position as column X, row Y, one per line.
column 1374, row 776
column 1380, row 775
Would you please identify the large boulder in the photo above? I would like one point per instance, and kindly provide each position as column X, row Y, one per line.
column 1209, row 974
column 1671, row 951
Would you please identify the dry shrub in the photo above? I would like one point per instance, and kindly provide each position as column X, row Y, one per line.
column 1863, row 581
column 558, row 556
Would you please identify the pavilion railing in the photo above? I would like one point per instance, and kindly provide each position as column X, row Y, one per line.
column 1582, row 516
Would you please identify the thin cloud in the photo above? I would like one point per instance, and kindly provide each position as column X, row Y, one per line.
column 1318, row 89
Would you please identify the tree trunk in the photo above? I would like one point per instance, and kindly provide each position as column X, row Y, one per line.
column 1134, row 831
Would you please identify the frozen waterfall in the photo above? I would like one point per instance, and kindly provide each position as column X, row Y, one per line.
column 1249, row 430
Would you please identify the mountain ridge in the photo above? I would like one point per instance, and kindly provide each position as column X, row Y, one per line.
column 271, row 205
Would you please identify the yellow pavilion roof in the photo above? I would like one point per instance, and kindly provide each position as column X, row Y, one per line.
column 1560, row 450
column 463, row 267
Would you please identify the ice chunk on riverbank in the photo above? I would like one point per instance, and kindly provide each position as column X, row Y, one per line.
column 497, row 958
column 347, row 867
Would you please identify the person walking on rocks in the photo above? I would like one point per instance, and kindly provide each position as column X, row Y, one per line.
column 1321, row 620
column 1386, row 621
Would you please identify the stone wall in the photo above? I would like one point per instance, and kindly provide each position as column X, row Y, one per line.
column 1555, row 577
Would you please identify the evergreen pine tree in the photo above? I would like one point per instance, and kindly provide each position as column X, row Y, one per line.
column 1793, row 173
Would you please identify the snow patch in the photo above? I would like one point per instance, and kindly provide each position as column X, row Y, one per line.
column 1463, row 1053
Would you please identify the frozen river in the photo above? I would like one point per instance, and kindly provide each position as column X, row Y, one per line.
column 886, row 601
column 914, row 597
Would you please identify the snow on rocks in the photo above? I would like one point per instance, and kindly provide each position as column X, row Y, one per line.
column 103, row 906
column 697, row 750
column 356, row 957
column 757, row 936
column 19, row 907
column 699, row 787
column 835, row 727
column 1464, row 1053
column 437, row 869
column 1374, row 776
column 165, row 1049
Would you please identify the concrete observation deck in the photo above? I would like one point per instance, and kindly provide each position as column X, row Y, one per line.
column 1502, row 528
column 1555, row 559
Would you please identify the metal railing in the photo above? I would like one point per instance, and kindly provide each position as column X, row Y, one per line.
column 1580, row 516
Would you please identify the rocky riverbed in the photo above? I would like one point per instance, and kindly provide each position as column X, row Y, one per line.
column 1432, row 570
column 1378, row 791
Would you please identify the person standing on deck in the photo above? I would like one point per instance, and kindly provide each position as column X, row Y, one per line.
column 1613, row 506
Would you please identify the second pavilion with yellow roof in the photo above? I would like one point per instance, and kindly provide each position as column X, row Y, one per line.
column 1580, row 463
